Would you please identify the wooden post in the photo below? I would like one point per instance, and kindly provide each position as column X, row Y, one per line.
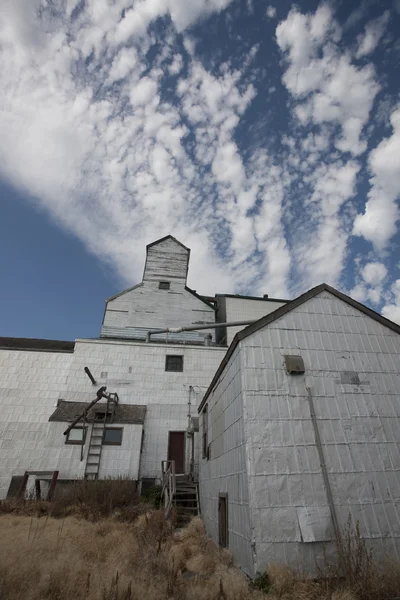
column 37, row 489
column 22, row 488
column 53, row 482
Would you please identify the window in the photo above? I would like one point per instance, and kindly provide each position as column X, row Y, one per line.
column 100, row 415
column 112, row 436
column 205, row 431
column 164, row 285
column 76, row 435
column 173, row 363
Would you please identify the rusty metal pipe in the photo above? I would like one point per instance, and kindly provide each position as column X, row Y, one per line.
column 100, row 395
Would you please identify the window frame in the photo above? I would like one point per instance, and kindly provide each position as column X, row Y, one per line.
column 77, row 442
column 169, row 356
column 105, row 443
column 164, row 285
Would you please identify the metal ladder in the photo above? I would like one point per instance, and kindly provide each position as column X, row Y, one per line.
column 92, row 466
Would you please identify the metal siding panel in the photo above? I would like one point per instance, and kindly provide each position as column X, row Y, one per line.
column 359, row 425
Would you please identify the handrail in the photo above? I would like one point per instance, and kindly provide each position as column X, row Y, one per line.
column 168, row 484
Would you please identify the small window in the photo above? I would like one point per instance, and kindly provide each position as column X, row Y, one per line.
column 164, row 285
column 112, row 436
column 205, row 431
column 173, row 363
column 76, row 435
column 100, row 415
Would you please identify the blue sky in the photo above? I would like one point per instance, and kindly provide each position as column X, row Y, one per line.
column 265, row 136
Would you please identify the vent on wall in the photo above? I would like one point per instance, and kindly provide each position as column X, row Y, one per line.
column 294, row 364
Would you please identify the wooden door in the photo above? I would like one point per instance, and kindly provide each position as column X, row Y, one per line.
column 223, row 520
column 176, row 450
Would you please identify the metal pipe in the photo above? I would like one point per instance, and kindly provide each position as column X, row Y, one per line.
column 100, row 395
column 88, row 373
column 324, row 470
column 197, row 327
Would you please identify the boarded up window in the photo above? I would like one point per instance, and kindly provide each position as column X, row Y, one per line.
column 315, row 523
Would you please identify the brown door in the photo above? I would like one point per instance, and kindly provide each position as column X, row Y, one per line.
column 176, row 450
column 223, row 520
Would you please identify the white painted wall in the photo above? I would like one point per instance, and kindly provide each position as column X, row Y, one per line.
column 147, row 307
column 225, row 471
column 240, row 309
column 359, row 427
column 32, row 382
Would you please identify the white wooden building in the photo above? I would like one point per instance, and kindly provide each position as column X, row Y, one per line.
column 159, row 383
column 300, row 427
column 313, row 382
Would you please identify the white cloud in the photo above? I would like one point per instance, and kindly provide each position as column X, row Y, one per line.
column 143, row 92
column 328, row 88
column 392, row 310
column 368, row 41
column 378, row 223
column 271, row 12
column 103, row 152
column 183, row 14
column 176, row 65
column 374, row 273
column 88, row 129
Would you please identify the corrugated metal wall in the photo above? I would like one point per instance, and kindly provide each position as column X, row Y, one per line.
column 353, row 371
column 32, row 382
column 226, row 471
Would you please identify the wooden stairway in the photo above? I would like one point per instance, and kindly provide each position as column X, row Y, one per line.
column 185, row 501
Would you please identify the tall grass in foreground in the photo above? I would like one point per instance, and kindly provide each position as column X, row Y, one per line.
column 105, row 544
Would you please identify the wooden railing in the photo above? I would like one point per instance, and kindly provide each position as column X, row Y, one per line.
column 168, row 484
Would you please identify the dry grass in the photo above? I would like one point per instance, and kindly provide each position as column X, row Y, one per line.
column 56, row 559
column 73, row 558
column 92, row 500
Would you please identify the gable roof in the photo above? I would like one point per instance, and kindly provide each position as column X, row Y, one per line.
column 283, row 310
column 166, row 237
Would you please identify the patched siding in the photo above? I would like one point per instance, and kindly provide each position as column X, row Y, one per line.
column 352, row 369
column 225, row 471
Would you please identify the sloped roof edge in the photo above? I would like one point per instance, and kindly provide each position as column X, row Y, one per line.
column 166, row 237
column 283, row 310
column 200, row 297
column 124, row 291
